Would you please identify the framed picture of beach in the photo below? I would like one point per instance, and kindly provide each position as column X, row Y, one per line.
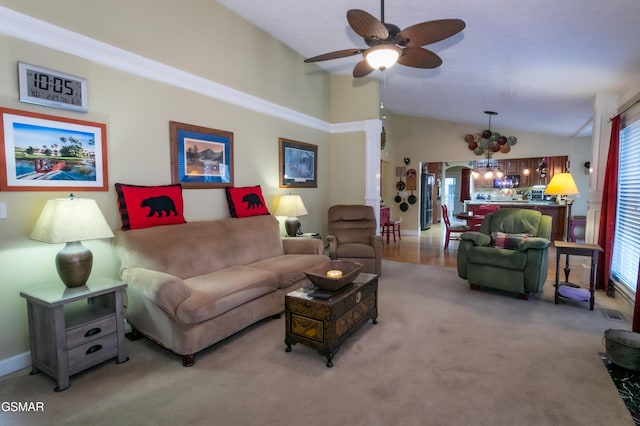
column 201, row 157
column 47, row 153
column 298, row 164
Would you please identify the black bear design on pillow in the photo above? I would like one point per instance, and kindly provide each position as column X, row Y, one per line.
column 159, row 205
column 253, row 201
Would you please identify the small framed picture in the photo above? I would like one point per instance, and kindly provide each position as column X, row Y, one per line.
column 298, row 163
column 201, row 157
column 46, row 153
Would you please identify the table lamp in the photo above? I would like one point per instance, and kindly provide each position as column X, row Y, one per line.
column 291, row 206
column 562, row 184
column 71, row 220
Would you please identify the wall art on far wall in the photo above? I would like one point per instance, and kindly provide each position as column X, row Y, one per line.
column 298, row 163
column 46, row 153
column 201, row 157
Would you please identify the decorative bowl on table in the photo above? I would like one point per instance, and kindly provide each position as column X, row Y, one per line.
column 319, row 275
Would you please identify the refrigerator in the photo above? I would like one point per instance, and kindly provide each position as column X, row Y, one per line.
column 427, row 181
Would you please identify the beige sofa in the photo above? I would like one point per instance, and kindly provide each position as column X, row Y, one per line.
column 194, row 284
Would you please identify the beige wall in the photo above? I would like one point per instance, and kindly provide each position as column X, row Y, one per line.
column 137, row 112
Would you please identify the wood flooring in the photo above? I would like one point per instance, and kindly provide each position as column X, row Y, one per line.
column 428, row 249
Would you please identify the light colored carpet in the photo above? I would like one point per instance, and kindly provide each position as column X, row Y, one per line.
column 441, row 354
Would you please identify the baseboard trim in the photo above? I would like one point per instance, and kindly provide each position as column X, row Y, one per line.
column 15, row 363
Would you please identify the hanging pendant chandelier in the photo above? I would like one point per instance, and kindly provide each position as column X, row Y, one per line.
column 488, row 143
column 487, row 168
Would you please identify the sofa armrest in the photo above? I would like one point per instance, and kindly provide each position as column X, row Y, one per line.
column 301, row 245
column 333, row 246
column 534, row 243
column 165, row 290
column 477, row 238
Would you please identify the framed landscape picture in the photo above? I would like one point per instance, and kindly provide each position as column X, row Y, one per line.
column 46, row 153
column 201, row 157
column 298, row 162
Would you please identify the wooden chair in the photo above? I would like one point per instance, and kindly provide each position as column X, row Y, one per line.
column 455, row 230
column 479, row 212
column 388, row 226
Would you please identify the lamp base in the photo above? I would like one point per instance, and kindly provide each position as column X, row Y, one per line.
column 74, row 264
column 292, row 225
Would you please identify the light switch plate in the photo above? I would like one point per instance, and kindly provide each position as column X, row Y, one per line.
column 3, row 210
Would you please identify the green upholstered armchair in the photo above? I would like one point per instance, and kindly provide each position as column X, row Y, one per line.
column 521, row 267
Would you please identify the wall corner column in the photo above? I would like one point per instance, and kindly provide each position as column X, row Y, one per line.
column 373, row 129
column 605, row 106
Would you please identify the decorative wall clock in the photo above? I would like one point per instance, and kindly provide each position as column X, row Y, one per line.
column 51, row 88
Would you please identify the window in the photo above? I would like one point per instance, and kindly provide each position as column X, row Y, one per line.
column 626, row 245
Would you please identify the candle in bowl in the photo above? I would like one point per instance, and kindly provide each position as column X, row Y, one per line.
column 335, row 274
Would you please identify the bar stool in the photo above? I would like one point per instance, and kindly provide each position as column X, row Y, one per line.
column 389, row 226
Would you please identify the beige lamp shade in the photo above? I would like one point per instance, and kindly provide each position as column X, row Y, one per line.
column 562, row 184
column 291, row 206
column 71, row 220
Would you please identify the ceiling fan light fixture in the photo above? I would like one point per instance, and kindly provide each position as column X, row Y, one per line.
column 382, row 56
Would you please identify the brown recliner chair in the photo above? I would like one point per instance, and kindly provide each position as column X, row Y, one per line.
column 352, row 236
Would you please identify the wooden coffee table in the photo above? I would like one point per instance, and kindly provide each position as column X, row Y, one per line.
column 325, row 323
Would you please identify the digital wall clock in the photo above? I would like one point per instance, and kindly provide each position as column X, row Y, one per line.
column 47, row 87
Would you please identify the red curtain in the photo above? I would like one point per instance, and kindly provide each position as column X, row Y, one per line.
column 635, row 324
column 608, row 212
column 465, row 185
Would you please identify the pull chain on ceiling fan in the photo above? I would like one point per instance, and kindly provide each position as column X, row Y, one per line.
column 388, row 44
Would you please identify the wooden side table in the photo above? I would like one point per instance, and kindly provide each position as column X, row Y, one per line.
column 577, row 249
column 72, row 329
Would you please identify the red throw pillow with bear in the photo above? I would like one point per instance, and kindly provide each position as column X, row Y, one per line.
column 246, row 201
column 146, row 206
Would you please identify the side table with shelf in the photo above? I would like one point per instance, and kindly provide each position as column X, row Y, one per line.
column 72, row 329
column 567, row 289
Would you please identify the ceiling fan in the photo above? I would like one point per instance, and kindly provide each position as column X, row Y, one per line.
column 388, row 44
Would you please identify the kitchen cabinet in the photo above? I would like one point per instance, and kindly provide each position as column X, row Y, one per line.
column 525, row 171
column 512, row 167
column 557, row 165
column 517, row 166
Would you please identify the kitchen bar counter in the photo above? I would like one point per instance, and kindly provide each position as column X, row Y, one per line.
column 550, row 208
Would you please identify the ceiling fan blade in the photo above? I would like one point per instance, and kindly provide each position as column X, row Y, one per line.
column 334, row 55
column 362, row 69
column 366, row 25
column 431, row 31
column 417, row 57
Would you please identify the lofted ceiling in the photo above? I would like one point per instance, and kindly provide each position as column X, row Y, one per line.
column 538, row 63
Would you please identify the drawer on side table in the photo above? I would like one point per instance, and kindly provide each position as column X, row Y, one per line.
column 90, row 331
column 91, row 353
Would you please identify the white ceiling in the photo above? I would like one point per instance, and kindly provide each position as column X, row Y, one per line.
column 538, row 63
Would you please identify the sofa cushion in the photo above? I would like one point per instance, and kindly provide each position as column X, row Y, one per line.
column 245, row 202
column 197, row 248
column 508, row 241
column 218, row 292
column 290, row 268
column 502, row 258
column 146, row 206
